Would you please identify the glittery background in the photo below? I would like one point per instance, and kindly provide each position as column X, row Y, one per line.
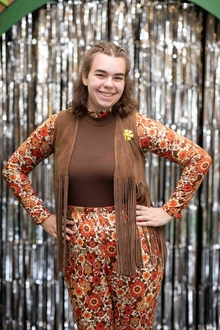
column 175, row 51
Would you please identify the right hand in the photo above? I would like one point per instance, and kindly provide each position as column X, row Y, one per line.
column 49, row 225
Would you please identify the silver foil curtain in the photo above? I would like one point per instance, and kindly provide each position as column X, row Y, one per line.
column 175, row 51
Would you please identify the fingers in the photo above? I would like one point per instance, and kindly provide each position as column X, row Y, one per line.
column 68, row 232
column 150, row 216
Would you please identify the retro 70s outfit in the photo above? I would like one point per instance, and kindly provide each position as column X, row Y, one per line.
column 113, row 268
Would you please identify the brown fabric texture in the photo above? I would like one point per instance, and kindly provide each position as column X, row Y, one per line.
column 129, row 187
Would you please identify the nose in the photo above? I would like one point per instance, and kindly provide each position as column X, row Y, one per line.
column 108, row 82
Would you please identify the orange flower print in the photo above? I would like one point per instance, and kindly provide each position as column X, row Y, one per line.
column 173, row 203
column 124, row 323
column 79, row 241
column 170, row 135
column 145, row 142
column 120, row 292
column 100, row 326
column 114, row 235
column 152, row 131
column 13, row 177
column 86, row 229
column 96, row 280
column 97, row 265
column 112, row 218
column 15, row 188
column 90, row 257
column 88, row 269
column 145, row 257
column 146, row 275
column 35, row 142
column 79, row 292
column 188, row 187
column 137, row 289
column 45, row 147
column 101, row 313
column 92, row 244
column 149, row 298
column 22, row 152
column 183, row 154
column 120, row 283
column 163, row 144
column 87, row 315
column 202, row 166
column 85, row 286
column 94, row 301
column 141, row 305
column 37, row 153
column 154, row 276
column 43, row 131
column 81, row 258
column 110, row 249
column 128, row 310
column 28, row 161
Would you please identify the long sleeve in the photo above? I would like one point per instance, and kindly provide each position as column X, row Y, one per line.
column 37, row 147
column 162, row 141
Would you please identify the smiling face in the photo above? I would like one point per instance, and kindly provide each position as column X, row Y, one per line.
column 105, row 81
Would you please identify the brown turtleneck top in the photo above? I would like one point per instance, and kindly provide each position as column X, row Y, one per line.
column 92, row 163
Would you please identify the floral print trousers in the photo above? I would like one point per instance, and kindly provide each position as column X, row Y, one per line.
column 101, row 298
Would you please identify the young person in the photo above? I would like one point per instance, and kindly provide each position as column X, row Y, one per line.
column 111, row 245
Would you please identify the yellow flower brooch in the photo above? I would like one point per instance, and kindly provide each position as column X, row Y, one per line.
column 128, row 135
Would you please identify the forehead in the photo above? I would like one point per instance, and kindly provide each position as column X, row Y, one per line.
column 108, row 63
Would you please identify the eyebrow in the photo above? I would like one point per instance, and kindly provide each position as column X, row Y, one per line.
column 116, row 74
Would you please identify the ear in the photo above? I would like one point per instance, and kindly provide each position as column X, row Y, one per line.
column 84, row 79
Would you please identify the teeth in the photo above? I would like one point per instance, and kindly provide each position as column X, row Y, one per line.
column 107, row 94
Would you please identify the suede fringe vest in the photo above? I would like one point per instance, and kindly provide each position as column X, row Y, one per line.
column 130, row 187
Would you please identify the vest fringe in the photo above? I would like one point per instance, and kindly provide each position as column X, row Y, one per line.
column 61, row 223
column 128, row 241
column 156, row 235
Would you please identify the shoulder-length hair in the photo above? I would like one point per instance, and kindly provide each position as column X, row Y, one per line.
column 126, row 104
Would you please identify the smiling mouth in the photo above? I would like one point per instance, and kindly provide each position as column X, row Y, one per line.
column 107, row 94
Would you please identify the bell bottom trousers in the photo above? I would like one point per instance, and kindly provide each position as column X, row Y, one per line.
column 100, row 297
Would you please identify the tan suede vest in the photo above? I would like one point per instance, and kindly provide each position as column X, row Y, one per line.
column 129, row 187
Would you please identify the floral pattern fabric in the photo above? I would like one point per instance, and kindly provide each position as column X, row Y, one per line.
column 102, row 299
column 153, row 137
column 162, row 141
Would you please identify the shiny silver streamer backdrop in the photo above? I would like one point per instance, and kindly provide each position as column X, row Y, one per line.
column 175, row 53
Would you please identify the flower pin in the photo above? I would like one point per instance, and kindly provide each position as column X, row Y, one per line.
column 128, row 135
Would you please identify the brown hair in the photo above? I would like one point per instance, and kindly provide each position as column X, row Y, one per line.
column 126, row 103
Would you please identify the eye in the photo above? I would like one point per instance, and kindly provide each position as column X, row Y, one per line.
column 119, row 78
column 100, row 75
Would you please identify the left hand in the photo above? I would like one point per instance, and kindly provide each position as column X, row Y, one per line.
column 151, row 216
